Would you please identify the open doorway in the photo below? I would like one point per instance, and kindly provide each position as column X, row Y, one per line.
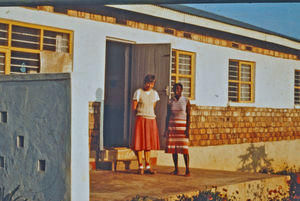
column 126, row 66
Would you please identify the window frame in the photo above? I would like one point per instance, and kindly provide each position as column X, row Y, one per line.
column 6, row 61
column 9, row 48
column 177, row 75
column 240, row 82
column 296, row 87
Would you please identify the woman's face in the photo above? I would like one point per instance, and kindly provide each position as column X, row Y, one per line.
column 149, row 85
column 177, row 90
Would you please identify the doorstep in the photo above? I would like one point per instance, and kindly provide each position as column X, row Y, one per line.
column 120, row 158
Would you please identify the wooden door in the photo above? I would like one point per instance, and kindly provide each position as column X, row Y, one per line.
column 116, row 95
column 152, row 59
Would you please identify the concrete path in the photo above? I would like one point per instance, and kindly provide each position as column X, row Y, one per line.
column 124, row 185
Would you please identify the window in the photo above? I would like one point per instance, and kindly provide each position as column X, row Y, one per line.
column 240, row 86
column 183, row 71
column 297, row 87
column 21, row 45
column 2, row 61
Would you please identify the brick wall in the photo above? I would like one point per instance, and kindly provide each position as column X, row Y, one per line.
column 235, row 125
column 94, row 125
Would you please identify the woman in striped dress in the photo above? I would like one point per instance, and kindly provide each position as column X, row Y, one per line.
column 178, row 128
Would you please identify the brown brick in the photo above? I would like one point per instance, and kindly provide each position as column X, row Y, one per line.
column 202, row 143
column 212, row 136
column 206, row 125
column 232, row 141
column 239, row 140
column 204, row 137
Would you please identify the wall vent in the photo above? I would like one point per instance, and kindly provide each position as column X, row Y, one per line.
column 1, row 162
column 249, row 48
column 169, row 31
column 3, row 117
column 121, row 21
column 235, row 45
column 20, row 141
column 187, row 35
column 42, row 165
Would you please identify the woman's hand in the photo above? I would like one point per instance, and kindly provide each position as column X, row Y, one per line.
column 187, row 133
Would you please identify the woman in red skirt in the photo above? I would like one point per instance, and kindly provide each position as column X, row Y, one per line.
column 178, row 128
column 145, row 137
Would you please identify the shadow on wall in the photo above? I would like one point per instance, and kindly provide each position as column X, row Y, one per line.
column 255, row 160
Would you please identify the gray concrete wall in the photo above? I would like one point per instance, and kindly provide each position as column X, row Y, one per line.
column 36, row 109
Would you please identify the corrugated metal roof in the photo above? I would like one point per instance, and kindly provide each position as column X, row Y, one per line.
column 219, row 18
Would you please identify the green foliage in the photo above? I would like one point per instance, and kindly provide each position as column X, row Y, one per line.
column 10, row 196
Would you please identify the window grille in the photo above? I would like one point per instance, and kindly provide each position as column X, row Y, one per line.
column 240, row 86
column 2, row 63
column 25, row 37
column 21, row 45
column 24, row 62
column 3, row 34
column 297, row 87
column 182, row 71
column 55, row 41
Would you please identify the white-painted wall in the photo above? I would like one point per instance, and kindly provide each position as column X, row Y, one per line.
column 273, row 79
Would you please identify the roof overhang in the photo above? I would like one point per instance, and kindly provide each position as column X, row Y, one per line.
column 166, row 13
column 99, row 2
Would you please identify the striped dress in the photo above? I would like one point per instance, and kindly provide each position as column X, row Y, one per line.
column 177, row 142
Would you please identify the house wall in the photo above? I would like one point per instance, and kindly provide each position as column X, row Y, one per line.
column 243, row 139
column 273, row 79
column 35, row 135
column 272, row 156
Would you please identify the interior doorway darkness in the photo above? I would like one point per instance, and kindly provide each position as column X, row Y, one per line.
column 116, row 100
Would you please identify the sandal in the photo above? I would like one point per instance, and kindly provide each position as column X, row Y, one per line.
column 150, row 171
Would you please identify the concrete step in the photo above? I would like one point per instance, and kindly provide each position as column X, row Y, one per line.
column 120, row 158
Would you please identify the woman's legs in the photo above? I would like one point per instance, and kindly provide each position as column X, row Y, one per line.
column 175, row 161
column 140, row 158
column 139, row 155
column 187, row 161
column 147, row 157
column 148, row 170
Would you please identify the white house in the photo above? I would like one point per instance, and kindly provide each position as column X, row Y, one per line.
column 243, row 83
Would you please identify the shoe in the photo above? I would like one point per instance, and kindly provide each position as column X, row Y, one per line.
column 175, row 172
column 150, row 171
column 141, row 171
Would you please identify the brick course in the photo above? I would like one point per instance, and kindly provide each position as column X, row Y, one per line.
column 236, row 125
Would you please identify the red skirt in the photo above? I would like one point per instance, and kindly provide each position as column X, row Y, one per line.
column 146, row 135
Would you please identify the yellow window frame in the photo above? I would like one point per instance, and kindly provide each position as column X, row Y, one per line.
column 296, row 87
column 42, row 28
column 191, row 76
column 6, row 61
column 240, row 82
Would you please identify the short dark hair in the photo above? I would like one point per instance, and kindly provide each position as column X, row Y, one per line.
column 177, row 84
column 149, row 78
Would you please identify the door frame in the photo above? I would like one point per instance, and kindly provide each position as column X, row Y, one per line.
column 128, row 77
